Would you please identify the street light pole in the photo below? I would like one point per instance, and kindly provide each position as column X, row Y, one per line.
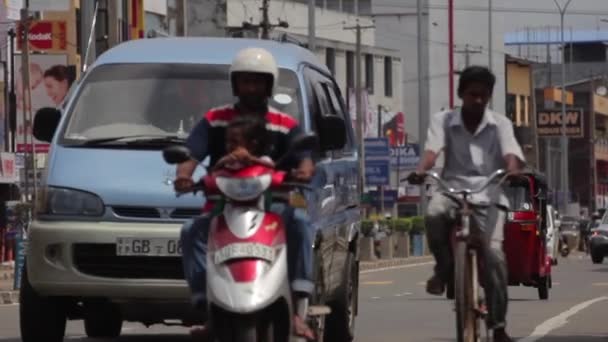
column 564, row 144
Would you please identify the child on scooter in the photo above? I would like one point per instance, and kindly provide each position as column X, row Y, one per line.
column 246, row 143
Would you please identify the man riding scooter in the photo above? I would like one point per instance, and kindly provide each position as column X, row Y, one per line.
column 253, row 76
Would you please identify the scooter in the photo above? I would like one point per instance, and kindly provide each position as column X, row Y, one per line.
column 248, row 291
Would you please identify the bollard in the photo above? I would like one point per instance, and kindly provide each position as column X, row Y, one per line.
column 386, row 248
column 367, row 249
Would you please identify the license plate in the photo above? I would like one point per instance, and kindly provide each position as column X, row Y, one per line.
column 149, row 247
column 244, row 250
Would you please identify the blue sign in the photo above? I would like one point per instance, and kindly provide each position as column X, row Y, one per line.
column 377, row 173
column 390, row 198
column 376, row 149
column 406, row 156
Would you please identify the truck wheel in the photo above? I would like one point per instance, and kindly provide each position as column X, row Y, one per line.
column 597, row 258
column 102, row 320
column 40, row 318
column 340, row 324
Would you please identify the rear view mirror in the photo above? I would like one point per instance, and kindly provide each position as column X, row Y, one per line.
column 333, row 132
column 306, row 141
column 176, row 154
column 46, row 121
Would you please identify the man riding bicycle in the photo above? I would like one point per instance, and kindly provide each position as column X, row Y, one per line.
column 477, row 142
column 253, row 76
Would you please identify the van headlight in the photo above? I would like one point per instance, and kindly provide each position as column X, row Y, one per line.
column 62, row 201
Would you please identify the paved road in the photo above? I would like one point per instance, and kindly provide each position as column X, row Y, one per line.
column 394, row 308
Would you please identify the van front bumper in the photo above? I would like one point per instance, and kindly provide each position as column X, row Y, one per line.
column 78, row 259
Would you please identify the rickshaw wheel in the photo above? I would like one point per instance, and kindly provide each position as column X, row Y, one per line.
column 543, row 288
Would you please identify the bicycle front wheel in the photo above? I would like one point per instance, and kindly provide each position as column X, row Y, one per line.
column 467, row 324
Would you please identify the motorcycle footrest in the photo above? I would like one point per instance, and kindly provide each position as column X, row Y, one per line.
column 318, row 310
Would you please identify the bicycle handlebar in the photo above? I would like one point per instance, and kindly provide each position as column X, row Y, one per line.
column 445, row 187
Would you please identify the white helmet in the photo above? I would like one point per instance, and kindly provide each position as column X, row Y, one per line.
column 254, row 60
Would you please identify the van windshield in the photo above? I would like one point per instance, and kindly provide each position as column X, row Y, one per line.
column 128, row 100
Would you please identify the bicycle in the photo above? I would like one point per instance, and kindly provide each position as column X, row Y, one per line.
column 465, row 246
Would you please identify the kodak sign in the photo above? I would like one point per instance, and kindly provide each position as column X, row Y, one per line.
column 45, row 35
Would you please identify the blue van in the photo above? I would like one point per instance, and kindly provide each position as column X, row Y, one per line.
column 107, row 199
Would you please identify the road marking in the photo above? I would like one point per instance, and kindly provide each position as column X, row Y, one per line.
column 599, row 284
column 397, row 267
column 375, row 298
column 385, row 282
column 403, row 294
column 559, row 320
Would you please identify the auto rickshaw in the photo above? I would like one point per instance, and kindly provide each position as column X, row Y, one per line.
column 525, row 242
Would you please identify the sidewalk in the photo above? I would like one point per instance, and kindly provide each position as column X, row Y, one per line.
column 7, row 295
column 396, row 262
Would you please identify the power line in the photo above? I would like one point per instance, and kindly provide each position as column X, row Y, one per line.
column 495, row 9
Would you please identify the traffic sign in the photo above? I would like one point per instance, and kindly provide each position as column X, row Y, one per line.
column 377, row 149
column 377, row 173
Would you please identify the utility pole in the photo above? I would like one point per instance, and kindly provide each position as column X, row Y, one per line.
column 312, row 40
column 180, row 17
column 490, row 45
column 265, row 21
column 27, row 102
column 265, row 24
column 359, row 98
column 467, row 54
column 422, row 115
column 380, row 187
column 12, row 97
column 564, row 145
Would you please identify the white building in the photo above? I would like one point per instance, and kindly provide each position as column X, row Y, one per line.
column 471, row 23
column 335, row 44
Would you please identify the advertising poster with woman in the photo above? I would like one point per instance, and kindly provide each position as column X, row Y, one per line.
column 50, row 80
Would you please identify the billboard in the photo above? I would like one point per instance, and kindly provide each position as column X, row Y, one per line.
column 45, row 35
column 50, row 80
column 549, row 123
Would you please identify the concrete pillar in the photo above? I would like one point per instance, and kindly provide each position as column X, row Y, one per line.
column 387, row 247
column 403, row 245
column 367, row 249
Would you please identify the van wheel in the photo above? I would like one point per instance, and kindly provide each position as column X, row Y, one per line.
column 597, row 258
column 340, row 324
column 40, row 318
column 102, row 320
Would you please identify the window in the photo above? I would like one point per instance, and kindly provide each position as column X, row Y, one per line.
column 348, row 6
column 519, row 198
column 157, row 99
column 350, row 70
column 369, row 73
column 333, row 5
column 388, row 76
column 332, row 94
column 511, row 106
column 330, row 60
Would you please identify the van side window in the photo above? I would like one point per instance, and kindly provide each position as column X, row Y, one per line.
column 332, row 92
column 325, row 100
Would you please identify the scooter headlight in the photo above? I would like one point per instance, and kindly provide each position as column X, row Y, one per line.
column 244, row 189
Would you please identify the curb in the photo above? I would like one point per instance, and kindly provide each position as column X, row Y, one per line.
column 9, row 297
column 371, row 265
